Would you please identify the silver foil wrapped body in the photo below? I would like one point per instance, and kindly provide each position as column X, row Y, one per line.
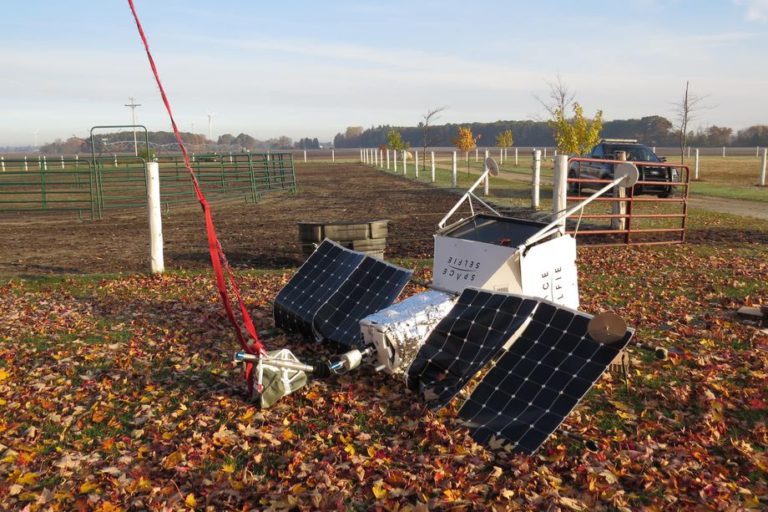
column 398, row 331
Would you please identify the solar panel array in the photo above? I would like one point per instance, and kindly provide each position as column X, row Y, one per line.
column 333, row 290
column 545, row 362
column 464, row 341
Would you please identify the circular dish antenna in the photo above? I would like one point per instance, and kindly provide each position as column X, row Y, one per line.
column 607, row 327
column 492, row 166
column 629, row 172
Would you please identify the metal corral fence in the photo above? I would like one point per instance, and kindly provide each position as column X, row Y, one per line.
column 91, row 187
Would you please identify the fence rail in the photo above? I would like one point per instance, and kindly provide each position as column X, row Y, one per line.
column 89, row 188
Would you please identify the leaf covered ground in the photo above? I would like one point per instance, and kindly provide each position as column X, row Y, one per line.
column 117, row 393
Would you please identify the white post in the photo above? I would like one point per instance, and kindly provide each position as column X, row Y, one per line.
column 619, row 207
column 62, row 161
column 115, row 155
column 387, row 158
column 394, row 158
column 501, row 156
column 654, row 149
column 230, row 157
column 405, row 163
column 560, row 189
column 39, row 163
column 453, row 172
column 361, row 154
column 381, row 158
column 762, row 173
column 45, row 163
column 305, row 156
column 333, row 156
column 476, row 155
column 723, row 151
column 2, row 159
column 416, row 163
column 193, row 157
column 536, row 180
column 155, row 218
column 486, row 182
column 432, row 155
column 515, row 157
column 26, row 167
column 696, row 166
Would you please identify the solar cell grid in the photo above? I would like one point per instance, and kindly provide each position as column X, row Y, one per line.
column 333, row 290
column 538, row 380
column 464, row 341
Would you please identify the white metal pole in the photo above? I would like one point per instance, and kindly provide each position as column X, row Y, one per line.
column 762, row 173
column 333, row 156
column 361, row 154
column 432, row 156
column 387, row 158
column 115, row 156
column 155, row 218
column 394, row 160
column 536, row 180
column 486, row 182
column 501, row 156
column 696, row 165
column 45, row 163
column 62, row 161
column 416, row 163
column 515, row 157
column 405, row 163
column 560, row 189
column 26, row 167
column 305, row 156
column 381, row 158
column 453, row 172
column 2, row 159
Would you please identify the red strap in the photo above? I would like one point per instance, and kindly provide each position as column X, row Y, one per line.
column 218, row 259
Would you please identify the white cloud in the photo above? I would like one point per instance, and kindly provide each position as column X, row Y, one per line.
column 757, row 10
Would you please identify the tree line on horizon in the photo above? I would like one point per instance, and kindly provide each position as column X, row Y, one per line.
column 650, row 130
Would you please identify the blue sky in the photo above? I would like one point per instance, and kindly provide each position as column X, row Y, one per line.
column 310, row 69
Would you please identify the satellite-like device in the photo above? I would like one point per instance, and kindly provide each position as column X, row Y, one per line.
column 503, row 304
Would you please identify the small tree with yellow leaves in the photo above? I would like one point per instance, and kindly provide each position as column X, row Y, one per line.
column 578, row 134
column 465, row 142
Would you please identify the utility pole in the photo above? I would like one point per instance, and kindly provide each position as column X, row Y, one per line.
column 210, row 124
column 132, row 105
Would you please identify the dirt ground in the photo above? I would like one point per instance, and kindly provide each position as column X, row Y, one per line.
column 263, row 235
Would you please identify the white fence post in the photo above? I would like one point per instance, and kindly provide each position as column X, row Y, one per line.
column 2, row 159
column 394, row 157
column 26, row 167
column 536, row 180
column 381, row 158
column 723, row 151
column 515, row 157
column 432, row 156
column 560, row 189
column 501, row 156
column 486, row 182
column 62, row 161
column 416, row 162
column 453, row 172
column 305, row 157
column 654, row 149
column 762, row 172
column 333, row 156
column 45, row 163
column 696, row 165
column 361, row 154
column 387, row 158
column 405, row 163
column 155, row 218
column 115, row 155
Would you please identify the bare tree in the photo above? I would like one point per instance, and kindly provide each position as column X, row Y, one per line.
column 431, row 116
column 686, row 111
column 560, row 98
